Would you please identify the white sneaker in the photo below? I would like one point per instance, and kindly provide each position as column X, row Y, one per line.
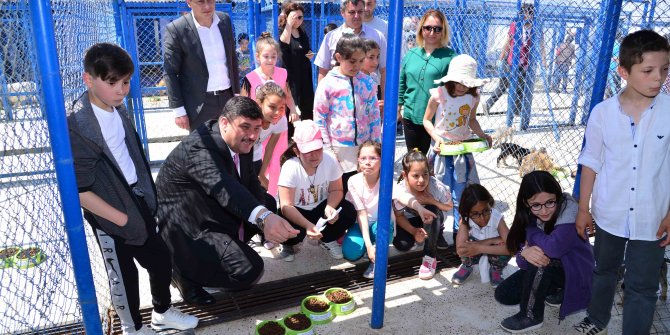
column 287, row 253
column 145, row 330
column 428, row 267
column 173, row 319
column 334, row 249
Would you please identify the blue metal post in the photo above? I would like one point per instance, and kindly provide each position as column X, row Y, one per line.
column 275, row 20
column 251, row 23
column 388, row 155
column 613, row 11
column 118, row 22
column 134, row 99
column 54, row 103
column 652, row 10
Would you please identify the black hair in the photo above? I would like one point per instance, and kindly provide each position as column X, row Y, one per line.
column 636, row 44
column 348, row 45
column 527, row 8
column 472, row 194
column 242, row 36
column 241, row 106
column 413, row 156
column 108, row 61
column 533, row 183
column 370, row 45
column 329, row 27
column 289, row 153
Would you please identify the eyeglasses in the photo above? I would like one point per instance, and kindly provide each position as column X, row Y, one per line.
column 538, row 207
column 372, row 159
column 480, row 215
column 299, row 17
column 435, row 29
column 354, row 12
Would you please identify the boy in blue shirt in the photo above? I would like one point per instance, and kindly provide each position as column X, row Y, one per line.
column 626, row 176
column 117, row 192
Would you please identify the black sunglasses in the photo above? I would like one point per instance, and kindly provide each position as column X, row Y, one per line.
column 434, row 29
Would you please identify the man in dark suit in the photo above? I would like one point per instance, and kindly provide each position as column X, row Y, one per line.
column 211, row 203
column 200, row 64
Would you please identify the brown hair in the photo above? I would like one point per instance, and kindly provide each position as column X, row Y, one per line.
column 266, row 40
column 636, row 44
column 286, row 9
column 451, row 87
column 446, row 33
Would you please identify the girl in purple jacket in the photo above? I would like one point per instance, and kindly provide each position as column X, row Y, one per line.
column 556, row 265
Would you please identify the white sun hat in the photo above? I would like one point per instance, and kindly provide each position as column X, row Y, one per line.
column 462, row 70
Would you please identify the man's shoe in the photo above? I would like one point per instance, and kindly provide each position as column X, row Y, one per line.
column 588, row 328
column 428, row 267
column 519, row 323
column 554, row 300
column 192, row 294
column 287, row 253
column 370, row 271
column 461, row 275
column 333, row 248
column 173, row 319
column 145, row 330
column 442, row 243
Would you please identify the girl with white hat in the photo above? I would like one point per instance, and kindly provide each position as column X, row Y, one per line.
column 453, row 106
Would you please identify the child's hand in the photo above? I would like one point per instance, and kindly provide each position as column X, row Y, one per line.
column 313, row 233
column 438, row 145
column 468, row 249
column 534, row 255
column 426, row 215
column 420, row 235
column 489, row 139
column 330, row 211
column 371, row 253
column 309, row 55
column 664, row 229
column 264, row 181
column 584, row 224
column 122, row 220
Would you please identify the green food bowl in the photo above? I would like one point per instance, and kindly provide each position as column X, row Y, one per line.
column 318, row 317
column 341, row 307
column 476, row 145
column 278, row 322
column 287, row 324
column 29, row 257
column 7, row 256
column 452, row 149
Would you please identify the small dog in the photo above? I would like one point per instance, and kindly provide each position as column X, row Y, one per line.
column 537, row 160
column 502, row 135
column 511, row 149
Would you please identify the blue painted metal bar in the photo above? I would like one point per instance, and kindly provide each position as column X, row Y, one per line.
column 612, row 12
column 54, row 103
column 251, row 22
column 275, row 20
column 134, row 99
column 652, row 11
column 118, row 21
column 388, row 158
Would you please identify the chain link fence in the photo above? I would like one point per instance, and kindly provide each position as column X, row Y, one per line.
column 547, row 109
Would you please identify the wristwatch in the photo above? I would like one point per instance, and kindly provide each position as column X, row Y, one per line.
column 260, row 220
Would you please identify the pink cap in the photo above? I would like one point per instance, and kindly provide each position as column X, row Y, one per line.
column 307, row 136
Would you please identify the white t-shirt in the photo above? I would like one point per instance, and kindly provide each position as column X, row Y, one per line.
column 114, row 135
column 310, row 191
column 277, row 128
column 452, row 118
column 363, row 197
column 488, row 231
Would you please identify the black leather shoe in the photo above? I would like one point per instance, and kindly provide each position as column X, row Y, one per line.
column 192, row 294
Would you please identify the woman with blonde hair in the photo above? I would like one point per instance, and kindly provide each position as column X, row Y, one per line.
column 428, row 61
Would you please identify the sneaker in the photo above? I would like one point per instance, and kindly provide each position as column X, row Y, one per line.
column 287, row 253
column 588, row 328
column 519, row 323
column 173, row 319
column 442, row 243
column 554, row 300
column 461, row 275
column 427, row 269
column 417, row 246
column 145, row 330
column 370, row 271
column 496, row 277
column 268, row 245
column 333, row 248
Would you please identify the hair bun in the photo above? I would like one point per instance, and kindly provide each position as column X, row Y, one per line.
column 266, row 34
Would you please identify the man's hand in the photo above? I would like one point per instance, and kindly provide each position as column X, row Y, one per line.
column 182, row 122
column 534, row 255
column 329, row 211
column 584, row 224
column 278, row 230
column 664, row 228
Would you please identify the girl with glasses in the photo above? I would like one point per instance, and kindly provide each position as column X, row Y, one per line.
column 556, row 265
column 482, row 240
column 364, row 194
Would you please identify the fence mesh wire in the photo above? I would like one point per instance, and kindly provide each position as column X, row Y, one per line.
column 550, row 113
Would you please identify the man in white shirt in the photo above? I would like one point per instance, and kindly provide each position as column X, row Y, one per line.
column 352, row 11
column 196, row 45
column 371, row 20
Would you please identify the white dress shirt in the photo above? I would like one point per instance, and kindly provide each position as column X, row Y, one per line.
column 215, row 57
column 631, row 194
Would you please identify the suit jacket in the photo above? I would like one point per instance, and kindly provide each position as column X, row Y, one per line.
column 200, row 192
column 97, row 171
column 184, row 65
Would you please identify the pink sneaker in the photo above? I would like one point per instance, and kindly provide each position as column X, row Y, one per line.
column 428, row 267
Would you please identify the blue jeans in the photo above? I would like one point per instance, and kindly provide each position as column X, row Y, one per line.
column 561, row 74
column 643, row 268
column 448, row 178
column 353, row 246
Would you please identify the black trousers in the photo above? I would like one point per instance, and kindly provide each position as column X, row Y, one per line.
column 404, row 241
column 416, row 136
column 211, row 108
column 332, row 232
column 530, row 287
column 503, row 86
column 119, row 259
